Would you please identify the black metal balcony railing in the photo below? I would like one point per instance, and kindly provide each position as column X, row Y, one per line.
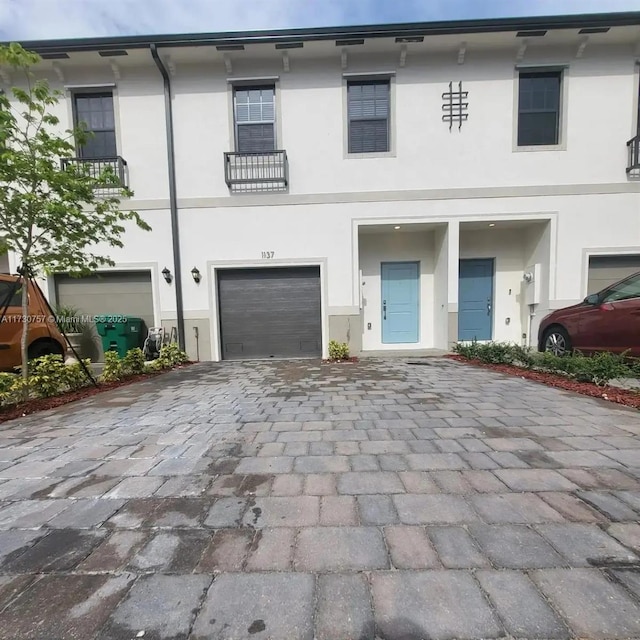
column 265, row 171
column 114, row 169
column 634, row 154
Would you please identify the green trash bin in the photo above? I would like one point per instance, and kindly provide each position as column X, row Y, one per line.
column 119, row 333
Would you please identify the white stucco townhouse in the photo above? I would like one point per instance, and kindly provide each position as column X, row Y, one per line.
column 399, row 187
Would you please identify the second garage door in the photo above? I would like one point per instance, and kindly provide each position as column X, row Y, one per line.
column 605, row 270
column 267, row 313
column 108, row 293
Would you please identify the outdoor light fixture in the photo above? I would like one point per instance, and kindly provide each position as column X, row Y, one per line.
column 166, row 274
column 492, row 224
column 397, row 227
column 196, row 274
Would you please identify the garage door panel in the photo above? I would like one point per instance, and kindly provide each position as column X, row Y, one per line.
column 271, row 312
column 127, row 293
column 606, row 270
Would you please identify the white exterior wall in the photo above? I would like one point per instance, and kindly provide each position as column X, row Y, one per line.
column 600, row 88
column 398, row 247
column 579, row 194
column 506, row 249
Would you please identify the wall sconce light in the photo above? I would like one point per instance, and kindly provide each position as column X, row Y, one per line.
column 166, row 274
column 528, row 277
column 196, row 274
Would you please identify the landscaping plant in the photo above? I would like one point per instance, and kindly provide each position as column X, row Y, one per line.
column 338, row 351
column 133, row 362
column 112, row 370
column 49, row 377
column 54, row 216
column 68, row 319
column 171, row 355
column 599, row 368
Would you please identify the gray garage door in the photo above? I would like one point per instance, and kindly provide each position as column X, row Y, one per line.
column 121, row 292
column 605, row 270
column 267, row 313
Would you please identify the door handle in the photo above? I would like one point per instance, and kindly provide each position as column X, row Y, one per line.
column 384, row 309
column 488, row 306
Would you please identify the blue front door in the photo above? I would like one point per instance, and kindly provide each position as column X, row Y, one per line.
column 475, row 299
column 400, row 302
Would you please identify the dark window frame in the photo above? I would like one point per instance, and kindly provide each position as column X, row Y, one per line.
column 380, row 81
column 263, row 123
column 555, row 137
column 88, row 94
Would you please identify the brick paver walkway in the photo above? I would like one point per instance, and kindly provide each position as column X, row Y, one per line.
column 295, row 500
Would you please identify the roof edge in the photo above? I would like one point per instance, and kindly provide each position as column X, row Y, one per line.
column 448, row 27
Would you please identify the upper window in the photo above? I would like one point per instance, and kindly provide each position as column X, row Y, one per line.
column 368, row 113
column 629, row 288
column 255, row 119
column 539, row 108
column 95, row 111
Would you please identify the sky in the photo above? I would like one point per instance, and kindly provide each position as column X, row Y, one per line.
column 52, row 19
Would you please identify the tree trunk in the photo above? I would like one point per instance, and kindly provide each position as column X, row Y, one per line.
column 24, row 342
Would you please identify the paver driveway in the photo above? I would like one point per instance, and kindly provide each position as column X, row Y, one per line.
column 298, row 501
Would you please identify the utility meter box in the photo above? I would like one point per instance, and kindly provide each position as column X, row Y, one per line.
column 532, row 278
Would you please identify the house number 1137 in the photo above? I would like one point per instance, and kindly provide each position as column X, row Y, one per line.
column 268, row 254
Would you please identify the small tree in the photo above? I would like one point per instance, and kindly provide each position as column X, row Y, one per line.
column 54, row 216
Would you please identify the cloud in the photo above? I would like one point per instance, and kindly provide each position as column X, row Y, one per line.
column 50, row 19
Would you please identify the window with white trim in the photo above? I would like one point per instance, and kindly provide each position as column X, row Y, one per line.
column 539, row 108
column 254, row 113
column 95, row 112
column 368, row 109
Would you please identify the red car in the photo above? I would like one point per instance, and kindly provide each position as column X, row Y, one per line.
column 605, row 321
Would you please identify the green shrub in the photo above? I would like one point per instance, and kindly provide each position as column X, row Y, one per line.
column 153, row 365
column 75, row 375
column 599, row 368
column 338, row 350
column 171, row 355
column 523, row 356
column 112, row 370
column 18, row 392
column 133, row 362
column 47, row 376
column 467, row 350
column 495, row 352
column 606, row 366
column 6, row 381
column 634, row 366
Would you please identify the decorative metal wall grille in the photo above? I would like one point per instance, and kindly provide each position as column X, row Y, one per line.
column 455, row 106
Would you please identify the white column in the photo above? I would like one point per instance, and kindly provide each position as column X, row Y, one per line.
column 453, row 248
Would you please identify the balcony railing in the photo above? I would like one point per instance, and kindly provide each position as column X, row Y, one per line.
column 115, row 168
column 248, row 172
column 634, row 154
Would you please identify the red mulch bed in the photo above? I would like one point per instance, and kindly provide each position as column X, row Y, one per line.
column 23, row 409
column 612, row 394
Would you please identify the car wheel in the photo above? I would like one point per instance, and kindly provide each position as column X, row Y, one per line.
column 44, row 348
column 557, row 341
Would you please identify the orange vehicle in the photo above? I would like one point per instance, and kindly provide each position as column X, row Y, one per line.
column 44, row 335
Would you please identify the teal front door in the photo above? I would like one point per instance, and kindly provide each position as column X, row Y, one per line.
column 475, row 299
column 400, row 302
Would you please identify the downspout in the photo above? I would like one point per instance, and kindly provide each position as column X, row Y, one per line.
column 173, row 200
